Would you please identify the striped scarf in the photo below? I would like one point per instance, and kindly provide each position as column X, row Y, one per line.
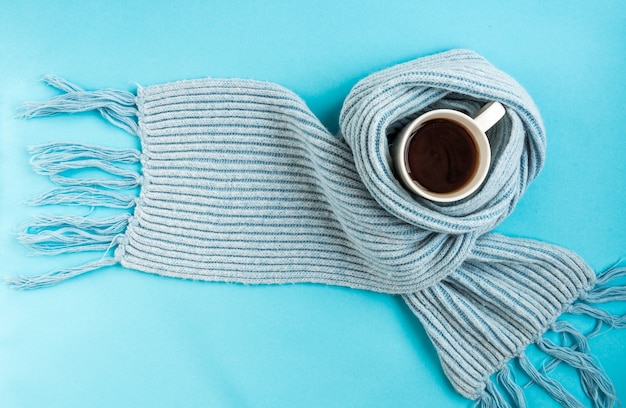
column 239, row 182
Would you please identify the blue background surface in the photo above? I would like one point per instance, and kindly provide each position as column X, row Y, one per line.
column 127, row 339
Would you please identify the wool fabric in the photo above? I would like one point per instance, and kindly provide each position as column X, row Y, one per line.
column 240, row 182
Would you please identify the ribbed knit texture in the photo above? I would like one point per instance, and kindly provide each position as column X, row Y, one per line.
column 241, row 183
column 244, row 184
column 255, row 190
column 504, row 296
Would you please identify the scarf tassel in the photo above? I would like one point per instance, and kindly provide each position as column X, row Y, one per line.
column 507, row 381
column 53, row 235
column 116, row 106
column 60, row 160
column 574, row 352
column 52, row 278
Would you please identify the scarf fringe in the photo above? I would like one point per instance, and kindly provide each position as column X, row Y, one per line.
column 87, row 196
column 56, row 159
column 69, row 165
column 603, row 292
column 506, row 380
column 116, row 106
column 53, row 235
column 52, row 278
column 491, row 397
column 574, row 352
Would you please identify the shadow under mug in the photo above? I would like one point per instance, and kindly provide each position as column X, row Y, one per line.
column 444, row 155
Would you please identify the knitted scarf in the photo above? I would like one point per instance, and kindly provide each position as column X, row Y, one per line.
column 240, row 182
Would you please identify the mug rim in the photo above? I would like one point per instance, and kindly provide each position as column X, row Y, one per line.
column 479, row 138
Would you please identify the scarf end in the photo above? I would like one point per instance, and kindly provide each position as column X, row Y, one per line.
column 572, row 349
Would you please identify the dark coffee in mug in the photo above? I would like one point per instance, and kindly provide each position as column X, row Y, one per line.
column 441, row 156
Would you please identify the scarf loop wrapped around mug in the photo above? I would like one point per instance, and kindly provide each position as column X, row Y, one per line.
column 240, row 182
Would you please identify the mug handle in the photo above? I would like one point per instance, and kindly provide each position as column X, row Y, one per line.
column 489, row 115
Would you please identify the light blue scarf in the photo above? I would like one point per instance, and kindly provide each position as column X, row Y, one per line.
column 240, row 182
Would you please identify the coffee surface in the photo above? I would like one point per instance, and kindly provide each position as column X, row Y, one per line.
column 441, row 156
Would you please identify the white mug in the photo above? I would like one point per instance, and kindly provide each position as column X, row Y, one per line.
column 444, row 154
